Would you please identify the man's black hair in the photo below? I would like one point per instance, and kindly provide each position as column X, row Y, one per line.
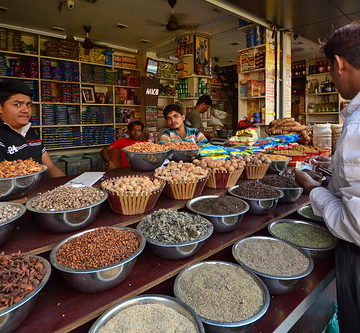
column 172, row 107
column 205, row 99
column 134, row 123
column 12, row 87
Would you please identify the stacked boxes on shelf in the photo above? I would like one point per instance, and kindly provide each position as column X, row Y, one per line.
column 59, row 137
column 151, row 117
column 122, row 115
column 58, row 48
column 97, row 115
column 60, row 114
column 60, row 92
column 10, row 40
column 125, row 61
column 251, row 59
column 19, row 66
column 97, row 135
column 64, row 71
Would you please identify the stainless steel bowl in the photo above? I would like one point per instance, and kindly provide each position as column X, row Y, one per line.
column 185, row 155
column 214, row 325
column 146, row 161
column 97, row 279
column 222, row 223
column 278, row 166
column 16, row 187
column 291, row 194
column 171, row 302
column 308, row 213
column 277, row 285
column 258, row 206
column 8, row 226
column 176, row 250
column 66, row 220
column 11, row 317
column 315, row 253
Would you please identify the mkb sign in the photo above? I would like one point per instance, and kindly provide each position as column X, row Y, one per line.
column 151, row 88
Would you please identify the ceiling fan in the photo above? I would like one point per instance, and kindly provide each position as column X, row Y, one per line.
column 87, row 43
column 70, row 4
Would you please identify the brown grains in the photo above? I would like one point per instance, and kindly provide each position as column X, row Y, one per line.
column 98, row 248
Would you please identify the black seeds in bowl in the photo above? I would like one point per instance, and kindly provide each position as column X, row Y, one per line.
column 224, row 205
column 279, row 181
column 256, row 190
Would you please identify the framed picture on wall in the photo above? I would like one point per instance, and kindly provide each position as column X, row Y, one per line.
column 202, row 56
column 88, row 95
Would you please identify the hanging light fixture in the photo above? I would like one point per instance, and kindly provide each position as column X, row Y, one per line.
column 87, row 43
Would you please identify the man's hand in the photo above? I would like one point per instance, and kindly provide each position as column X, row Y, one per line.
column 305, row 180
column 322, row 161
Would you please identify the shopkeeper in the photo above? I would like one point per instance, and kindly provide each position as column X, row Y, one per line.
column 177, row 130
column 193, row 118
column 113, row 155
column 18, row 140
column 339, row 204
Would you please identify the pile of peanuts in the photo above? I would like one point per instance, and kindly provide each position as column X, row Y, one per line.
column 99, row 248
column 182, row 145
column 8, row 212
column 64, row 198
column 230, row 165
column 180, row 172
column 19, row 168
column 135, row 185
column 146, row 147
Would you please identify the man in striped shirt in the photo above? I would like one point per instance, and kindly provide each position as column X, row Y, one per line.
column 177, row 130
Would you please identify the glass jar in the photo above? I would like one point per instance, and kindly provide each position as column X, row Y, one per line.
column 322, row 136
column 336, row 130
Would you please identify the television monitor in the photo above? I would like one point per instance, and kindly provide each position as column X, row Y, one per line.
column 151, row 66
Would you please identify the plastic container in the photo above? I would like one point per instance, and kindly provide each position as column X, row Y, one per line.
column 336, row 130
column 322, row 136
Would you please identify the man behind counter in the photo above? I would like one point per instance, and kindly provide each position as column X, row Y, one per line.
column 113, row 155
column 177, row 130
column 193, row 119
column 18, row 141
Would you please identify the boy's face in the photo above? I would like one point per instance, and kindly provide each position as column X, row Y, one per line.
column 175, row 120
column 16, row 111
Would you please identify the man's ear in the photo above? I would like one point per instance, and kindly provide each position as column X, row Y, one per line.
column 339, row 63
column 183, row 117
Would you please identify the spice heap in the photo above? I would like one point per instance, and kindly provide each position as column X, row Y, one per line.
column 220, row 292
column 274, row 157
column 290, row 152
column 256, row 190
column 182, row 145
column 308, row 212
column 223, row 205
column 146, row 147
column 272, row 257
column 64, row 198
column 180, row 172
column 19, row 168
column 306, row 148
column 98, row 248
column 305, row 235
column 171, row 226
column 283, row 181
column 224, row 166
column 132, row 185
column 8, row 212
column 145, row 318
column 19, row 276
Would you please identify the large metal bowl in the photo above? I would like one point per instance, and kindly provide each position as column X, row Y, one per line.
column 176, row 250
column 171, row 302
column 8, row 226
column 258, row 206
column 220, row 326
column 185, row 155
column 97, row 279
column 277, row 285
column 17, row 187
column 11, row 317
column 291, row 194
column 146, row 161
column 64, row 221
column 315, row 253
column 222, row 223
column 279, row 166
column 308, row 213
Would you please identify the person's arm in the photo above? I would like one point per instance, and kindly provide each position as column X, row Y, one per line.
column 52, row 169
column 105, row 153
column 201, row 139
column 194, row 119
column 164, row 139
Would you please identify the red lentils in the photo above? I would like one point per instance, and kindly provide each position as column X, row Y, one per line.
column 99, row 248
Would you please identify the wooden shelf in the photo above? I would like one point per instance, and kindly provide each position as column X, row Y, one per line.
column 195, row 76
column 254, row 97
column 55, row 58
column 316, row 113
column 326, row 93
column 318, row 74
column 36, row 55
column 77, row 147
column 166, row 78
column 160, row 96
column 57, row 81
column 253, row 47
column 253, row 71
column 129, row 105
column 58, row 103
column 19, row 78
column 96, row 104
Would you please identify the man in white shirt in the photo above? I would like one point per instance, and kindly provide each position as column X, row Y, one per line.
column 339, row 204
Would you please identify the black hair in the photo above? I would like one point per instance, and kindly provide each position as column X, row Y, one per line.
column 205, row 99
column 172, row 107
column 12, row 87
column 134, row 123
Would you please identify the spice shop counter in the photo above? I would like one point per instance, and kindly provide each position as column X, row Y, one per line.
column 61, row 308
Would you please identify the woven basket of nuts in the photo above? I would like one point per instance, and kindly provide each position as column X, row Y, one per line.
column 132, row 195
column 256, row 166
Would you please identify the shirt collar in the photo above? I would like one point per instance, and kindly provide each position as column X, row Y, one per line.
column 351, row 107
column 24, row 129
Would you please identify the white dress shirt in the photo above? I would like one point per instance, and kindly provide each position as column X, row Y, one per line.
column 339, row 204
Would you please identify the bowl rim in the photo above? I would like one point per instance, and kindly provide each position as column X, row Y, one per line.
column 34, row 210
column 232, row 188
column 260, row 283
column 112, row 311
column 191, row 201
column 21, row 213
column 294, row 277
column 147, row 153
column 163, row 244
column 294, row 221
column 44, row 168
column 300, row 212
column 45, row 279
column 184, row 150
column 65, row 269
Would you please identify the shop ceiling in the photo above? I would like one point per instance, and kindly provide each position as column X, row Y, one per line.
column 145, row 20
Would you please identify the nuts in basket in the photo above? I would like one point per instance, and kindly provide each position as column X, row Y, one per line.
column 225, row 166
column 180, row 172
column 131, row 185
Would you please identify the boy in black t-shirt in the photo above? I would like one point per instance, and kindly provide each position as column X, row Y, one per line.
column 17, row 139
